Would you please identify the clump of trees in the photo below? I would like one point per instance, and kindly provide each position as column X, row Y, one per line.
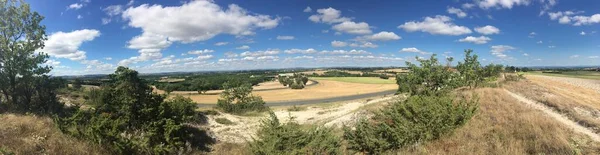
column 297, row 81
column 206, row 82
column 129, row 118
column 290, row 138
column 237, row 99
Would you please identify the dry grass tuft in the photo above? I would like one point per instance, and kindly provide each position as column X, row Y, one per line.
column 505, row 126
column 38, row 135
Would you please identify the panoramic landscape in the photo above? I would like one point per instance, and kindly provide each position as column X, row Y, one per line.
column 268, row 77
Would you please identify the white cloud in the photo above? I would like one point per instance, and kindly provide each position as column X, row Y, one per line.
column 308, row 9
column 551, row 46
column 106, row 21
column 231, row 54
column 568, row 17
column 108, row 58
column 336, row 43
column 244, row 47
column 130, row 3
column 593, row 57
column 486, row 4
column 221, row 43
column 574, row 56
column 259, row 53
column 413, row 50
column 438, row 25
column 586, row 20
column 351, row 27
column 301, row 51
column 113, row 10
column 191, row 22
column 498, row 50
column 66, row 44
column 487, row 30
column 457, row 12
column 476, row 40
column 540, row 42
column 344, row 52
column 285, row 37
column 368, row 45
column 582, row 33
column 200, row 52
column 51, row 62
column 79, row 16
column 468, row 5
column 329, row 16
column 525, row 54
column 75, row 6
column 381, row 36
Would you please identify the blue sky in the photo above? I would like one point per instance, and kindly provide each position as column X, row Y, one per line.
column 94, row 37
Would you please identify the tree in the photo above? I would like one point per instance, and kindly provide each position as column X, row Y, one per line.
column 200, row 85
column 77, row 83
column 430, row 77
column 238, row 99
column 21, row 34
column 470, row 70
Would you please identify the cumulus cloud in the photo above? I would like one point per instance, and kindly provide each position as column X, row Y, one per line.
column 413, row 50
column 231, row 54
column 368, row 45
column 344, row 52
column 75, row 6
column 582, row 33
column 221, row 43
column 329, row 16
column 300, row 51
column 572, row 17
column 476, row 40
column 458, row 12
column 308, row 9
column 285, row 37
column 191, row 22
column 66, row 44
column 486, row 4
column 487, row 30
column 438, row 25
column 351, row 27
column 259, row 53
column 381, row 36
column 468, row 5
column 499, row 50
column 244, row 47
column 336, row 43
column 200, row 52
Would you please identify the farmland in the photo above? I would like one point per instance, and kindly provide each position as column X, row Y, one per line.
column 574, row 74
column 363, row 80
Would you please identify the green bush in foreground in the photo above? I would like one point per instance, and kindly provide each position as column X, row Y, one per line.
column 238, row 99
column 418, row 119
column 289, row 138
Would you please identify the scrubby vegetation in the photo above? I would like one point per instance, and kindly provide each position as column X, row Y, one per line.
column 237, row 99
column 297, row 81
column 213, row 81
column 290, row 138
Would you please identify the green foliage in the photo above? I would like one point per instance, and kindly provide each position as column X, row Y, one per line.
column 297, row 81
column 296, row 108
column 213, row 81
column 24, row 85
column 224, row 121
column 129, row 119
column 431, row 77
column 290, row 138
column 383, row 76
column 209, row 112
column 418, row 119
column 77, row 83
column 470, row 70
column 239, row 100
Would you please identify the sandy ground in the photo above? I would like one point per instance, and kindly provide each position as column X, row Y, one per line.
column 325, row 89
column 556, row 116
column 245, row 127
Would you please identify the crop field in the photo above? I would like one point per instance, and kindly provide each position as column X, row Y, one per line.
column 573, row 74
column 325, row 89
column 363, row 80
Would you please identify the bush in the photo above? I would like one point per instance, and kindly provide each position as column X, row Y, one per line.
column 238, row 100
column 296, row 86
column 418, row 119
column 224, row 121
column 129, row 119
column 296, row 108
column 382, row 76
column 290, row 138
column 209, row 112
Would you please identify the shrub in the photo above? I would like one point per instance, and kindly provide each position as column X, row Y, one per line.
column 382, row 76
column 239, row 100
column 418, row 119
column 290, row 138
column 209, row 112
column 224, row 121
column 296, row 85
column 296, row 108
column 129, row 119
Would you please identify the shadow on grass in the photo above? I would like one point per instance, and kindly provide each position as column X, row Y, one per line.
column 198, row 138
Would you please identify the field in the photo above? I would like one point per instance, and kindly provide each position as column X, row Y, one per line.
column 363, row 80
column 325, row 89
column 575, row 74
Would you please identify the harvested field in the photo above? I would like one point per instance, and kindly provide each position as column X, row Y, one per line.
column 503, row 125
column 325, row 89
column 397, row 70
column 364, row 80
column 270, row 85
column 573, row 74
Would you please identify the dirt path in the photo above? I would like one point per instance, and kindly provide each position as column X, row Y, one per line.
column 560, row 118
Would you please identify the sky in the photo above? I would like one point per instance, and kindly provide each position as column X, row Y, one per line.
column 95, row 36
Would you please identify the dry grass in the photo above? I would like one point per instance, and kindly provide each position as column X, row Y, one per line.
column 38, row 135
column 579, row 104
column 505, row 126
column 325, row 89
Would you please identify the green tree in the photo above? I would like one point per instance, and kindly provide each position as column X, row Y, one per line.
column 430, row 77
column 77, row 83
column 470, row 69
column 21, row 68
column 200, row 85
column 238, row 99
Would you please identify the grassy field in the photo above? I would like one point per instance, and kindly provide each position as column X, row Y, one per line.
column 574, row 74
column 364, row 80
